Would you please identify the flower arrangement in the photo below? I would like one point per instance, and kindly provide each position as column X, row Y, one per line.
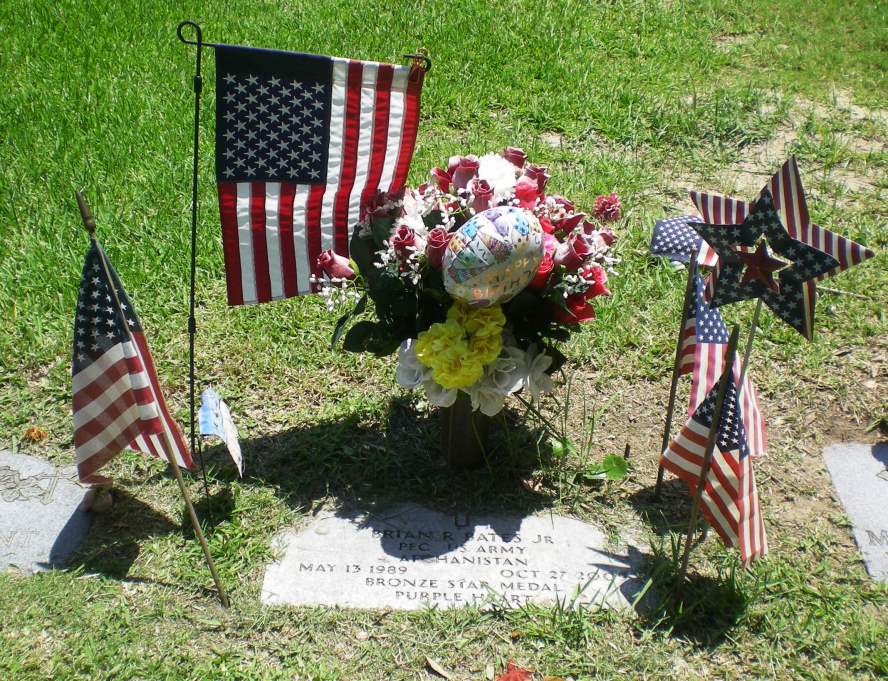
column 475, row 276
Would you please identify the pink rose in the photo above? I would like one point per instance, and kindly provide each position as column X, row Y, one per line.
column 607, row 208
column 335, row 266
column 482, row 194
column 436, row 244
column 440, row 179
column 572, row 253
column 526, row 192
column 537, row 174
column 462, row 169
column 550, row 244
column 544, row 271
column 515, row 156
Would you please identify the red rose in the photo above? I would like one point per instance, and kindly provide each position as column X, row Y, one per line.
column 572, row 253
column 538, row 174
column 437, row 242
column 403, row 238
column 597, row 275
column 462, row 169
column 440, row 179
column 578, row 310
column 567, row 224
column 564, row 203
column 515, row 156
column 482, row 194
column 335, row 266
column 526, row 192
column 546, row 224
column 607, row 208
column 547, row 264
column 601, row 239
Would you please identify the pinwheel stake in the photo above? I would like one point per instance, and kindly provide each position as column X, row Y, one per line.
column 688, row 298
column 727, row 375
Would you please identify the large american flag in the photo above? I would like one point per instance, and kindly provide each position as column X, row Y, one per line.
column 117, row 401
column 703, row 351
column 789, row 200
column 301, row 141
column 729, row 500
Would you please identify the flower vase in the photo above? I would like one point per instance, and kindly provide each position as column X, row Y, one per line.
column 465, row 434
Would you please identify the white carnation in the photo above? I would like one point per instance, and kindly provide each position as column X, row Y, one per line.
column 500, row 174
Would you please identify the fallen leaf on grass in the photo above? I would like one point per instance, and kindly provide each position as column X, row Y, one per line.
column 35, row 434
column 514, row 673
column 437, row 668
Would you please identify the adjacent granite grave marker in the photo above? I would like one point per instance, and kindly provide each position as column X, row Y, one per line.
column 860, row 475
column 411, row 557
column 42, row 513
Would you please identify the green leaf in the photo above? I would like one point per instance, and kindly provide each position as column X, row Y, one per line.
column 359, row 336
column 615, row 466
column 359, row 307
column 361, row 251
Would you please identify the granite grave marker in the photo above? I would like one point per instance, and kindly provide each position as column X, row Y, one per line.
column 860, row 476
column 42, row 513
column 411, row 557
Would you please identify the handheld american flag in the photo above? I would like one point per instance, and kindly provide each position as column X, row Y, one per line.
column 704, row 347
column 675, row 239
column 117, row 400
column 729, row 498
column 301, row 141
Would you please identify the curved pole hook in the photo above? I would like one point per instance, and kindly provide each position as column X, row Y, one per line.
column 194, row 27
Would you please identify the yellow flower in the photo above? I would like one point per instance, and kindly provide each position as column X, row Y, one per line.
column 457, row 367
column 438, row 339
column 474, row 318
column 486, row 347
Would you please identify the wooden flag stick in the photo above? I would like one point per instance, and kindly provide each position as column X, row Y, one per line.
column 727, row 375
column 752, row 329
column 90, row 224
column 685, row 310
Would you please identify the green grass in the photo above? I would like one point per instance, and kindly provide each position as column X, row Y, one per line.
column 645, row 98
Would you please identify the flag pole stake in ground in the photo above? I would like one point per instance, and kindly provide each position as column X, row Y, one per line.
column 192, row 321
column 689, row 295
column 727, row 375
column 90, row 225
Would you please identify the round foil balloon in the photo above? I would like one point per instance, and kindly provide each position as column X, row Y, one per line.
column 493, row 256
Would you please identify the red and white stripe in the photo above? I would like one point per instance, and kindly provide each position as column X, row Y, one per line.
column 730, row 499
column 273, row 232
column 117, row 405
column 789, row 199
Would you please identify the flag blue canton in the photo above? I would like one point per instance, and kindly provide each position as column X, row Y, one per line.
column 731, row 435
column 710, row 327
column 98, row 325
column 272, row 115
column 675, row 239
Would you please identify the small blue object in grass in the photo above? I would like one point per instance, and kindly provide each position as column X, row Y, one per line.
column 215, row 419
column 674, row 238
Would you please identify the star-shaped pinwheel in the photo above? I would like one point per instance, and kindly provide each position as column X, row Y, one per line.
column 788, row 195
column 743, row 275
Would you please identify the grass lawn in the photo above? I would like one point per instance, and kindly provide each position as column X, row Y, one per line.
column 648, row 99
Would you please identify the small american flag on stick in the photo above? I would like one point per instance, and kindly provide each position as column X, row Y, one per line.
column 117, row 400
column 704, row 347
column 301, row 142
column 729, row 500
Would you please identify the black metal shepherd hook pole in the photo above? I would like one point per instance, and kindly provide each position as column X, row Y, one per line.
column 192, row 322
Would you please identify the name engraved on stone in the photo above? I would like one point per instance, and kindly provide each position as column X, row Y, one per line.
column 412, row 557
column 859, row 474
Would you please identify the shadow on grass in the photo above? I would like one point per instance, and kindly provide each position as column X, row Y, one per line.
column 364, row 463
column 702, row 610
column 667, row 514
column 112, row 545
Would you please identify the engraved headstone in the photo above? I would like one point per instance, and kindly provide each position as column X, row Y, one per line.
column 860, row 475
column 411, row 557
column 42, row 516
